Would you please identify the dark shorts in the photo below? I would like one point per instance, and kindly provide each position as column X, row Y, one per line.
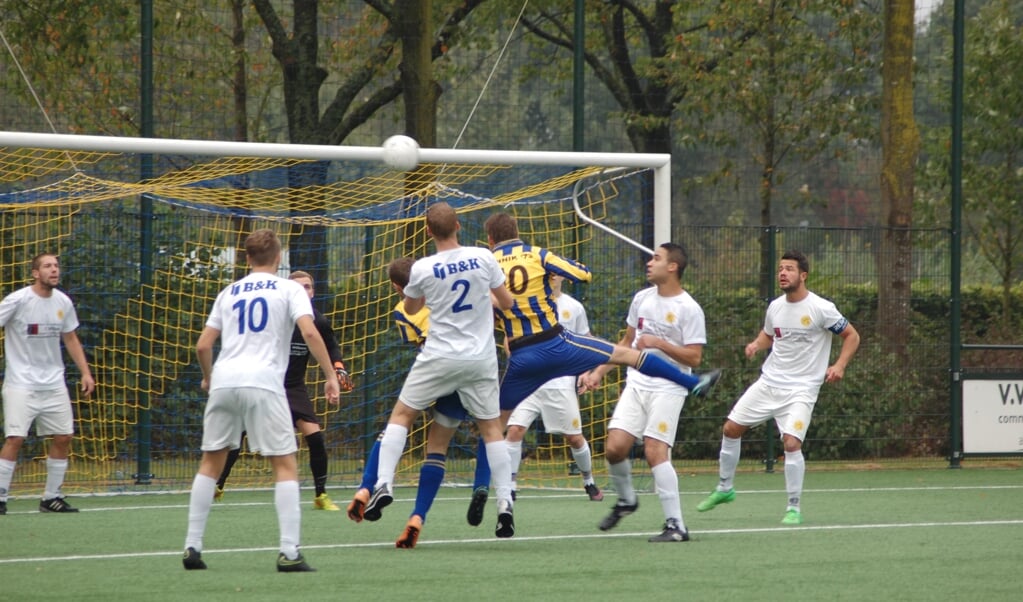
column 538, row 358
column 301, row 406
column 451, row 406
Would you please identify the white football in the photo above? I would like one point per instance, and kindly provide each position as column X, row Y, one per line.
column 401, row 153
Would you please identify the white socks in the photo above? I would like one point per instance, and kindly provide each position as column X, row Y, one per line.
column 6, row 476
column 55, row 471
column 500, row 469
column 795, row 469
column 515, row 456
column 289, row 516
column 728, row 461
column 621, row 475
column 391, row 446
column 666, row 483
column 584, row 461
column 199, row 503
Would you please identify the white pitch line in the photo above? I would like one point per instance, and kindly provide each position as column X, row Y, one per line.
column 527, row 495
column 490, row 540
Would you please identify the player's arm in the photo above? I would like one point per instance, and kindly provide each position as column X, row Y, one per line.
column 318, row 350
column 763, row 342
column 570, row 269
column 591, row 380
column 77, row 353
column 850, row 343
column 502, row 297
column 334, row 351
column 204, row 351
column 329, row 339
column 412, row 306
column 7, row 308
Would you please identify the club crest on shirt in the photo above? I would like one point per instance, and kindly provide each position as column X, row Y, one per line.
column 670, row 318
column 805, row 320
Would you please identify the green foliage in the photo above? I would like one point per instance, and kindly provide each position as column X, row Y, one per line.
column 992, row 161
column 881, row 408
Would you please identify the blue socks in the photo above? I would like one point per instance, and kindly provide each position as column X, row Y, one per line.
column 369, row 472
column 482, row 476
column 431, row 475
column 652, row 365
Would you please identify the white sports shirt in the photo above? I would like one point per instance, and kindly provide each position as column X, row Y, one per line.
column 256, row 319
column 677, row 319
column 32, row 329
column 456, row 284
column 572, row 316
column 801, row 334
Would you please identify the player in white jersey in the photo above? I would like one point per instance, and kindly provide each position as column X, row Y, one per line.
column 457, row 284
column 798, row 330
column 666, row 321
column 556, row 402
column 254, row 318
column 36, row 319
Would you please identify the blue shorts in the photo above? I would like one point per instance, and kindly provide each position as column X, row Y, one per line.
column 451, row 406
column 532, row 364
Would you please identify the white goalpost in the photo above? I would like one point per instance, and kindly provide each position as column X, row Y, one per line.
column 145, row 274
column 659, row 163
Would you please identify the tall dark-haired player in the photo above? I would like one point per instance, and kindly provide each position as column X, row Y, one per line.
column 665, row 320
column 798, row 329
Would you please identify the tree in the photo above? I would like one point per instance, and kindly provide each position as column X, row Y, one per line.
column 766, row 98
column 628, row 49
column 63, row 54
column 900, row 142
column 371, row 57
column 992, row 162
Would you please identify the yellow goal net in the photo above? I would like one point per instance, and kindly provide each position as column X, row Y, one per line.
column 144, row 256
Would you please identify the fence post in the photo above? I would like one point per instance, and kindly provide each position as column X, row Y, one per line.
column 769, row 461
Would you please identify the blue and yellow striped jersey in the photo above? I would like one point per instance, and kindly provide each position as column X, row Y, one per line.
column 413, row 329
column 527, row 272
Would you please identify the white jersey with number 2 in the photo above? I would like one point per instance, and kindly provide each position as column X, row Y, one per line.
column 456, row 284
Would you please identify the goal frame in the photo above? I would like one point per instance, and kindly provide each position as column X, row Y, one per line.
column 660, row 163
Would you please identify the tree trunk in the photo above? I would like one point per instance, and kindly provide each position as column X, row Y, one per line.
column 240, row 85
column 900, row 142
column 413, row 21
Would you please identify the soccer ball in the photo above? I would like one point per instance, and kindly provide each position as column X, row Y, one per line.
column 401, row 153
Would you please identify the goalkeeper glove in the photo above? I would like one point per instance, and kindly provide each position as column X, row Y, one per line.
column 344, row 381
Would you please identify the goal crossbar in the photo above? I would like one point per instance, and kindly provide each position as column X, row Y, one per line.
column 658, row 162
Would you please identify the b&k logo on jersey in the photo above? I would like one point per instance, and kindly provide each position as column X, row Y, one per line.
column 442, row 270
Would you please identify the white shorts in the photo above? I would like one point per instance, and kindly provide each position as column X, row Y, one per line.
column 475, row 381
column 559, row 409
column 790, row 408
column 50, row 410
column 652, row 414
column 261, row 413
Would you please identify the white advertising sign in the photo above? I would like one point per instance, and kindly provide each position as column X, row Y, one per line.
column 992, row 416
